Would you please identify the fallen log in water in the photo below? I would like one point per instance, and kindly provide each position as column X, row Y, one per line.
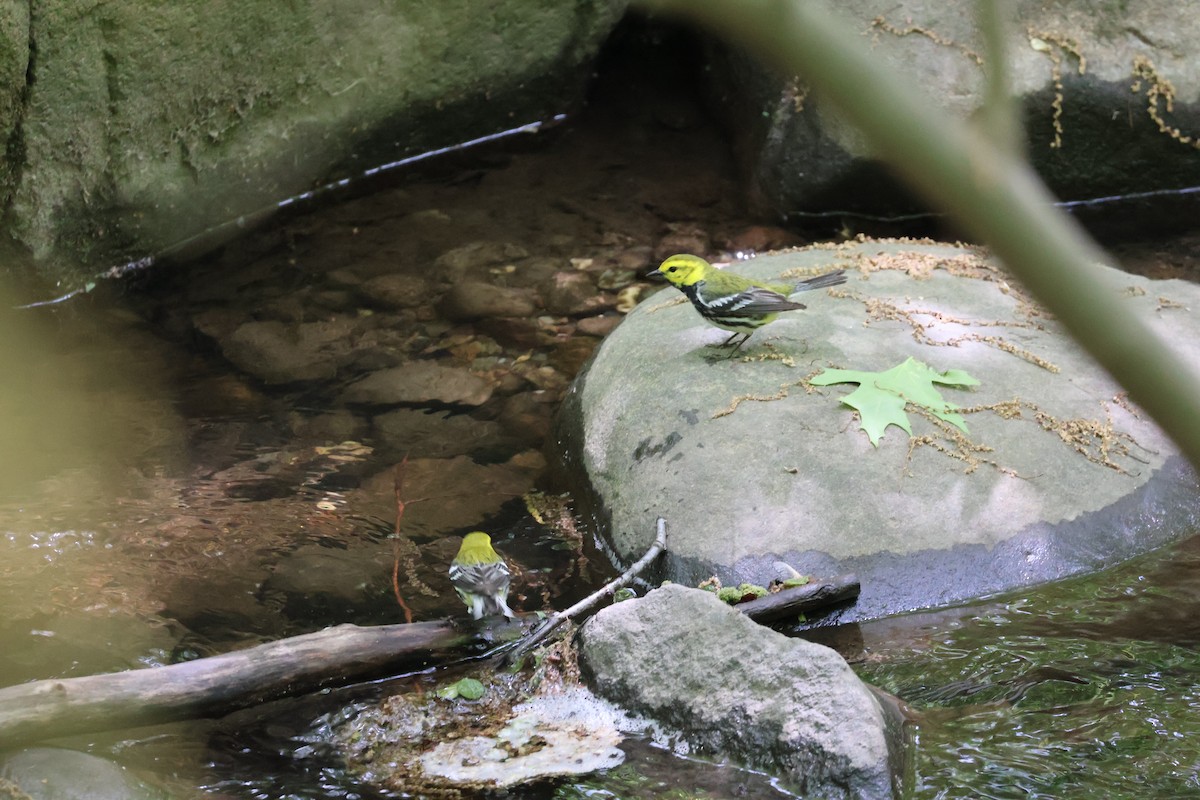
column 210, row 687
column 338, row 656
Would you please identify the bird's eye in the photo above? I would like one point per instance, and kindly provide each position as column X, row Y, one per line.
column 672, row 269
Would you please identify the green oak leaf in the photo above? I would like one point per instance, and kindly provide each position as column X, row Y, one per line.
column 881, row 396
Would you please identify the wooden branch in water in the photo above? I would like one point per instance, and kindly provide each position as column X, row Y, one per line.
column 210, row 687
column 801, row 599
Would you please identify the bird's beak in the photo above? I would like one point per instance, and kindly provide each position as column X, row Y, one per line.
column 655, row 273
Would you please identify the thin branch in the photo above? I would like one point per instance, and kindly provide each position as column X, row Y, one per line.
column 556, row 619
column 398, row 486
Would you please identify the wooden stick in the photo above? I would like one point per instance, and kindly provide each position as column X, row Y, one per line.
column 810, row 597
column 540, row 633
column 398, row 487
column 209, row 687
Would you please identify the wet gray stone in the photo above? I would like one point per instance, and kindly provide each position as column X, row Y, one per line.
column 184, row 154
column 731, row 688
column 1057, row 476
column 1087, row 128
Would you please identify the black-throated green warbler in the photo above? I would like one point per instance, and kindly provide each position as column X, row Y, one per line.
column 481, row 577
column 734, row 302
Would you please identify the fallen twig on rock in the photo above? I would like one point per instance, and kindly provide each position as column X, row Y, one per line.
column 541, row 632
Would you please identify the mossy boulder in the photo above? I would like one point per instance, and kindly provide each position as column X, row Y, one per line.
column 136, row 127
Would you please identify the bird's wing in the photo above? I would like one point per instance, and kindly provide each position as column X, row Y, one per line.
column 752, row 302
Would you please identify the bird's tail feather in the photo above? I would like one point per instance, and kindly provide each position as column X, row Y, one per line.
column 821, row 281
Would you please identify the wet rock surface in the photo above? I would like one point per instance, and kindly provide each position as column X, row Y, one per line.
column 206, row 147
column 758, row 469
column 1089, row 81
column 730, row 688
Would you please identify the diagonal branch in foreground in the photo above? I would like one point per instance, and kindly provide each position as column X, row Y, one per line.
column 543, row 631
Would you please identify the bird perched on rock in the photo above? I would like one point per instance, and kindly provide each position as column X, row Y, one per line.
column 481, row 577
column 734, row 302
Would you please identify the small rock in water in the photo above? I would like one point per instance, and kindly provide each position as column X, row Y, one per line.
column 598, row 326
column 419, row 382
column 422, row 434
column 519, row 332
column 474, row 300
column 526, row 416
column 571, row 355
column 396, row 291
column 475, row 258
column 276, row 352
column 52, row 772
column 760, row 238
column 334, row 426
column 570, row 294
column 469, row 491
column 682, row 239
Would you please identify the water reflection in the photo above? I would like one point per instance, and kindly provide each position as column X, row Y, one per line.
column 84, row 422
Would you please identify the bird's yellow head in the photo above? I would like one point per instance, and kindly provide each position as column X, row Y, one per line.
column 683, row 270
column 476, row 549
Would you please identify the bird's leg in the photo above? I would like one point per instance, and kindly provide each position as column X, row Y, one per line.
column 725, row 343
column 738, row 346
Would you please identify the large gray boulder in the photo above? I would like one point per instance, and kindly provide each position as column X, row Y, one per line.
column 1092, row 81
column 757, row 471
column 133, row 126
column 723, row 685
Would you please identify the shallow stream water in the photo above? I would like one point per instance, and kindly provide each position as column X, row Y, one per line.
column 162, row 501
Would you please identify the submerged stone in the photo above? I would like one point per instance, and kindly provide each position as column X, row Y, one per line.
column 419, row 382
column 279, row 352
column 52, row 773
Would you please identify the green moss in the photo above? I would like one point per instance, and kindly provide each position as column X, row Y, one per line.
column 747, row 591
